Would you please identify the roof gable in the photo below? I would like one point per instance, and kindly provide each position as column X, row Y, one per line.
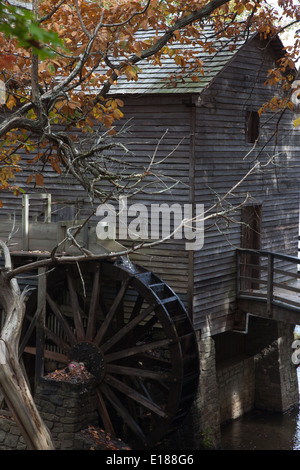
column 153, row 79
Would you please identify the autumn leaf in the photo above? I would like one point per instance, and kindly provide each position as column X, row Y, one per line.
column 51, row 68
column 296, row 122
column 56, row 167
column 131, row 73
column 117, row 114
column 11, row 102
column 39, row 179
column 29, row 179
column 7, row 61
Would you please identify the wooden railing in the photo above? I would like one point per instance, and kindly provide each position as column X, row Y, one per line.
column 268, row 276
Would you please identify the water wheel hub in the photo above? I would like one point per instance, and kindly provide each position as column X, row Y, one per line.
column 92, row 357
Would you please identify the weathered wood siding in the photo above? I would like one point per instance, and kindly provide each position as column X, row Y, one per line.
column 152, row 119
column 222, row 159
column 209, row 161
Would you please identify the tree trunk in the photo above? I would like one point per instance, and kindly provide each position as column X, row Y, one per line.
column 13, row 384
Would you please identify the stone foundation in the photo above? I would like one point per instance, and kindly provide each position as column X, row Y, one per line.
column 236, row 384
column 201, row 430
column 255, row 370
column 238, row 373
column 275, row 374
column 209, row 425
column 10, row 436
column 66, row 409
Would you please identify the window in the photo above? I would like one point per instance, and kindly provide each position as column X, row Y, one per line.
column 252, row 126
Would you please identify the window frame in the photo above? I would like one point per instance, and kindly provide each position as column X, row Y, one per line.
column 252, row 126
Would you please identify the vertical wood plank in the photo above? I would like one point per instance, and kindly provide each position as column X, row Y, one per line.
column 25, row 221
column 238, row 273
column 270, row 283
column 40, row 329
column 48, row 209
column 190, row 284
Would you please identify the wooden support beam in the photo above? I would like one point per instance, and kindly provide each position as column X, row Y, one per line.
column 25, row 222
column 270, row 284
column 40, row 329
column 25, row 214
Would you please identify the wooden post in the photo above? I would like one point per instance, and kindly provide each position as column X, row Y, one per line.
column 48, row 208
column 12, row 381
column 25, row 222
column 270, row 283
column 40, row 328
column 192, row 160
column 238, row 273
column 25, row 215
column 35, row 94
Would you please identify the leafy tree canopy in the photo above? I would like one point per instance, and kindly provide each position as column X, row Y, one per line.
column 21, row 24
column 59, row 62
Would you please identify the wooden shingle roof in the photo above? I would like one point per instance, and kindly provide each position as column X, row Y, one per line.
column 153, row 79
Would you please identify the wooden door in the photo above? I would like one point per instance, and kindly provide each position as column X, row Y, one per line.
column 251, row 239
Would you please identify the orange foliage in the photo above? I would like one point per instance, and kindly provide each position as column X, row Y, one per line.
column 101, row 45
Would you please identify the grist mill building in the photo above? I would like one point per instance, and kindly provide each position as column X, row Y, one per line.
column 241, row 305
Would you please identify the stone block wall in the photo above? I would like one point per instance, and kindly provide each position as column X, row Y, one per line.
column 275, row 375
column 236, row 385
column 66, row 409
column 201, row 430
column 263, row 377
column 10, row 436
column 288, row 370
column 207, row 400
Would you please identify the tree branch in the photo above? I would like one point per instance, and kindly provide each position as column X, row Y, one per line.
column 196, row 15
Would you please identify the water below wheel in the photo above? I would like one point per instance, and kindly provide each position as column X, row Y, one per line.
column 133, row 334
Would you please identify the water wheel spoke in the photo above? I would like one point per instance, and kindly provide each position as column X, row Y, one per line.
column 76, row 308
column 154, row 363
column 137, row 306
column 62, row 321
column 91, row 326
column 110, row 315
column 60, row 343
column 136, row 396
column 140, row 385
column 54, row 356
column 144, row 329
column 137, row 350
column 127, row 328
column 120, row 408
column 135, row 371
column 33, row 323
column 108, row 426
column 101, row 303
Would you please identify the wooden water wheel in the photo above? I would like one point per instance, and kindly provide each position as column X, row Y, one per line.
column 132, row 333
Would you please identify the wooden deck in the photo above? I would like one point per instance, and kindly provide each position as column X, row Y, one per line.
column 28, row 237
column 268, row 286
